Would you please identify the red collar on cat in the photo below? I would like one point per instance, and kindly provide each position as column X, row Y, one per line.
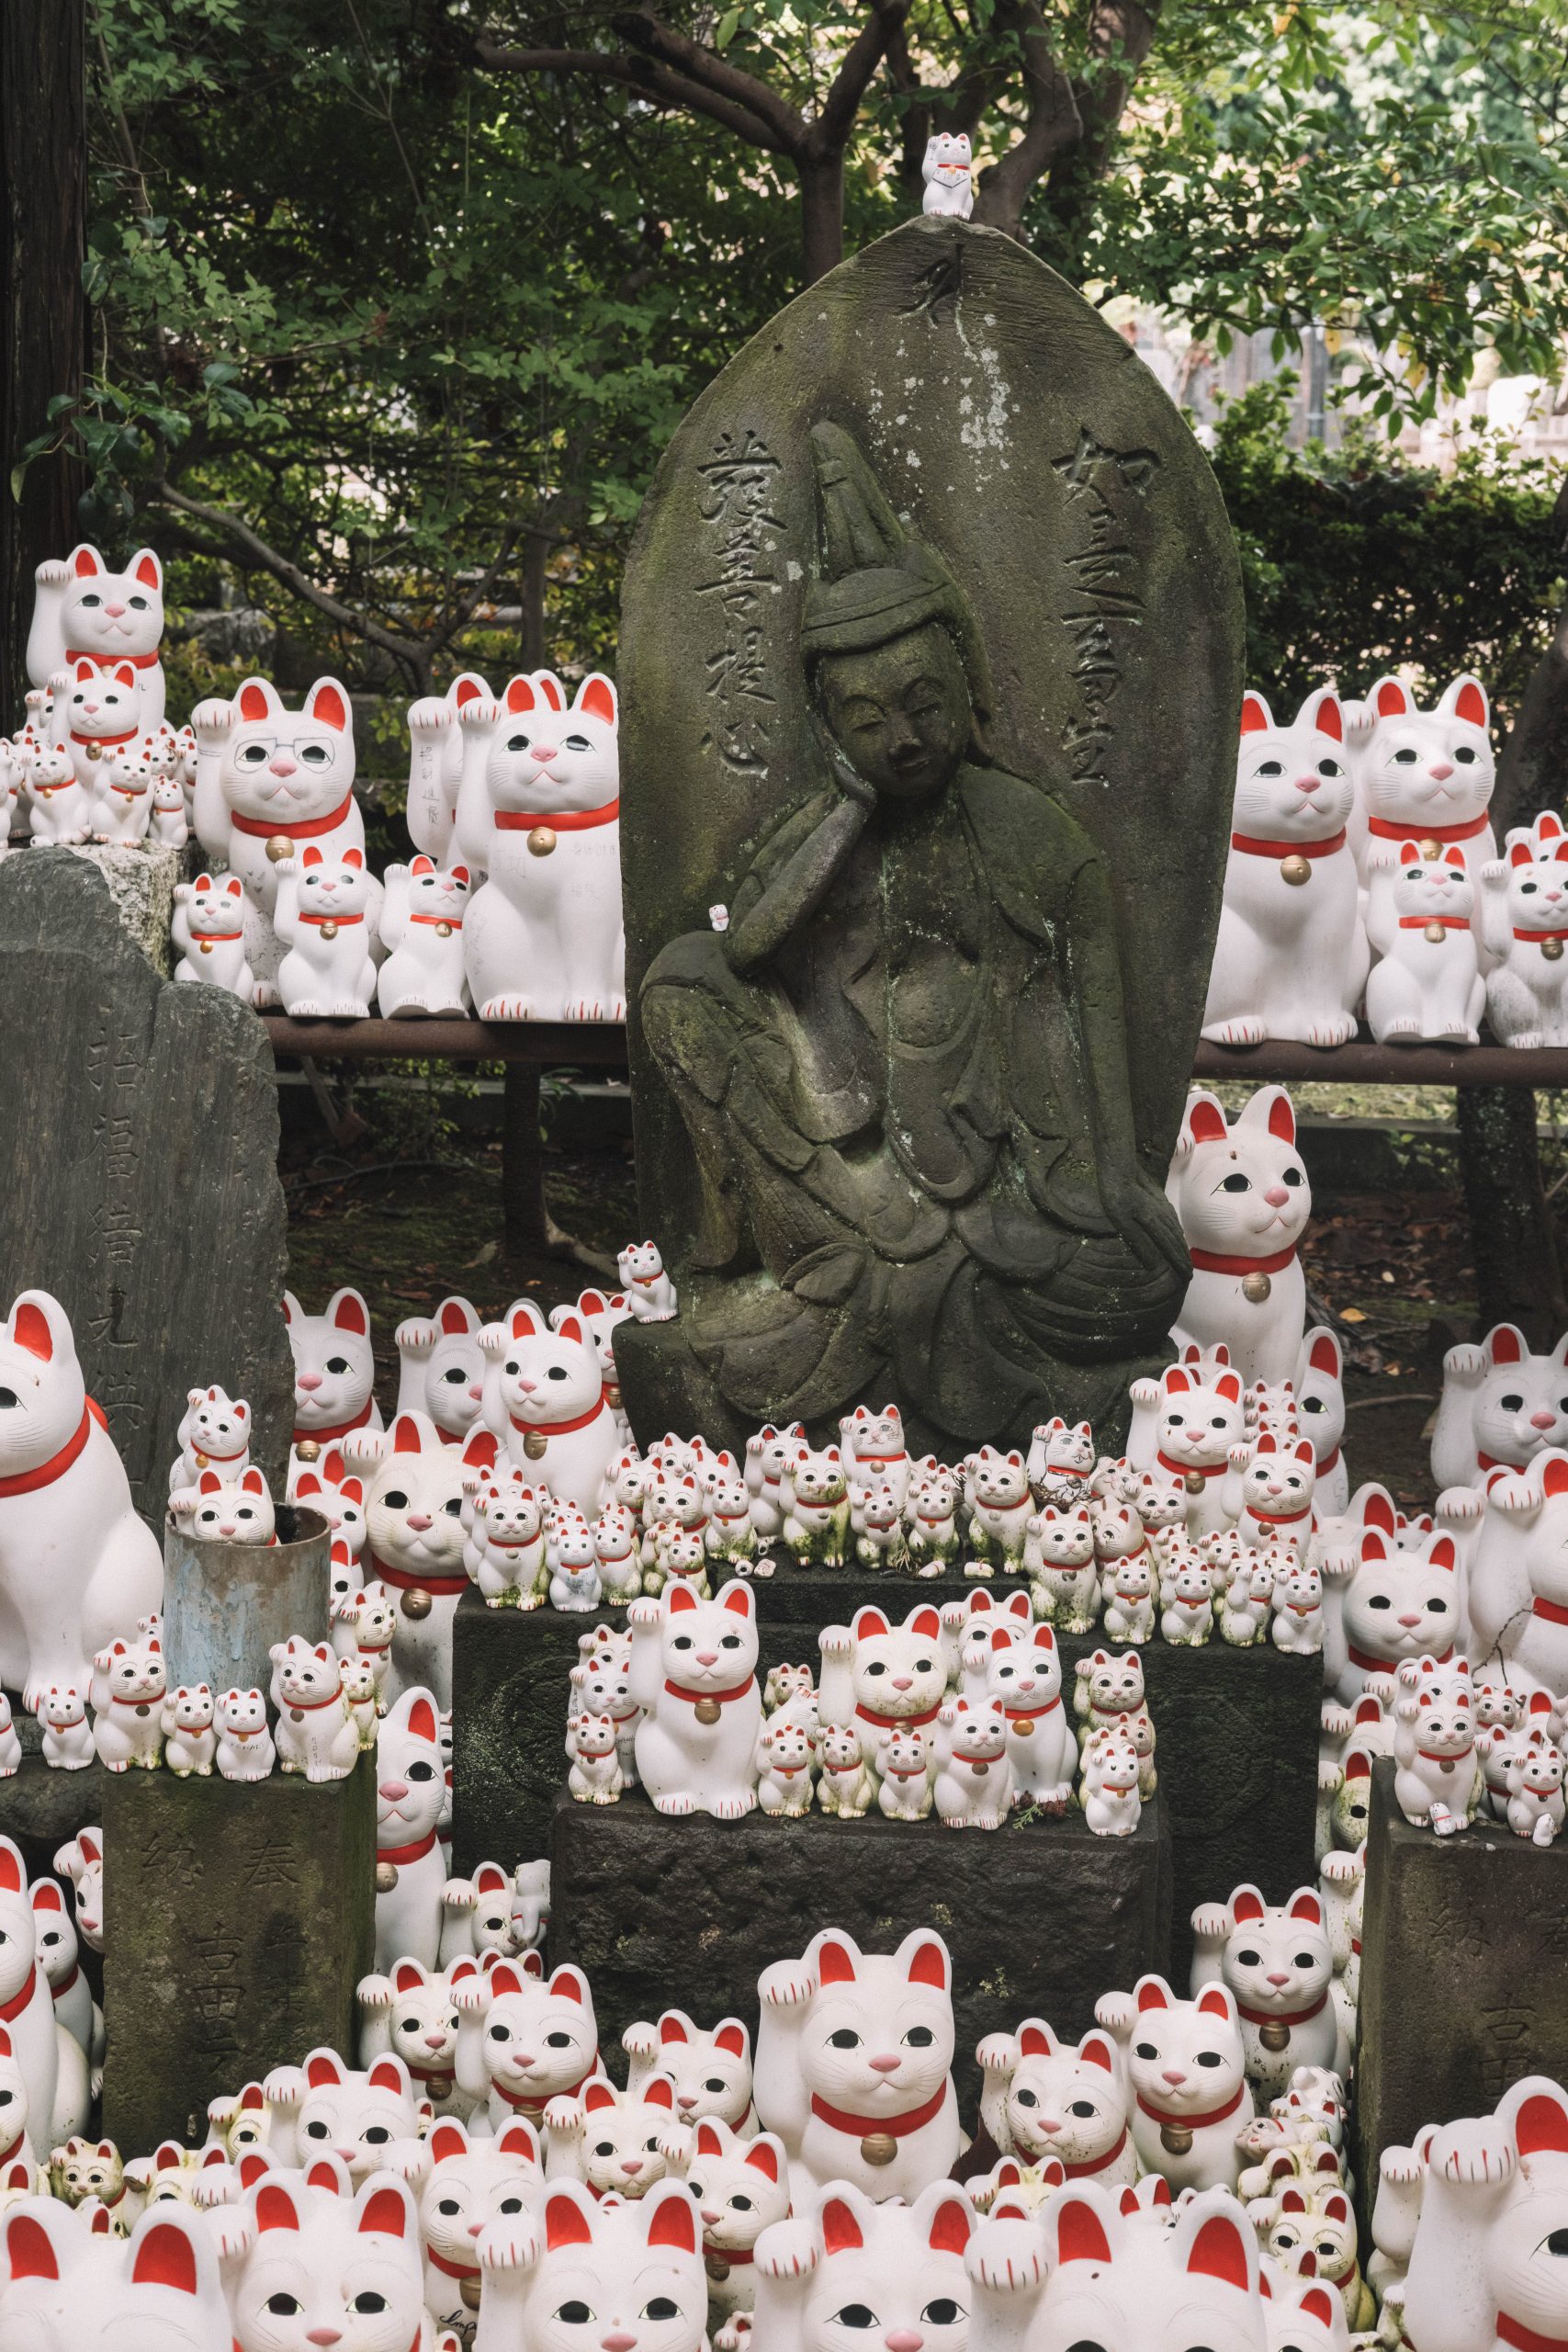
column 450, row 2269
column 415, row 1853
column 1092, row 2164
column 897, row 1723
column 560, row 1428
column 1553, row 1610
column 1031, row 1714
column 339, row 920
column 1526, row 2339
column 298, row 829
column 12, row 2009
column 439, row 1587
column 338, row 1429
column 314, row 1707
column 897, row 2127
column 722, row 1697
column 44, row 1474
column 1191, row 2123
column 528, row 2104
column 1380, row 1665
column 1278, row 1518
column 1214, row 1261
column 453, row 923
column 1255, row 847
column 105, row 742
column 1180, row 1469
column 1282, row 2017
column 1387, row 831
column 1450, row 923
column 574, row 820
column 1535, row 937
column 106, row 661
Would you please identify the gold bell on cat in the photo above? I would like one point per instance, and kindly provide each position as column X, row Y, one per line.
column 1436, row 933
column 417, row 1603
column 308, row 1450
column 205, row 945
column 1275, row 2035
column 386, row 1877
column 717, row 2267
column 541, row 841
column 1552, row 948
column 535, row 1445
column 707, row 1711
column 469, row 2288
column 881, row 2147
column 1176, row 2139
column 328, row 928
column 1296, row 869
column 1430, row 850
column 279, row 846
column 1194, row 1482
column 1256, row 1287
column 443, row 931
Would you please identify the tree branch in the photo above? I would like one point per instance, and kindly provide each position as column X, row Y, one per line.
column 705, row 66
column 642, row 75
column 1121, row 35
column 1053, row 128
column 832, row 128
column 411, row 653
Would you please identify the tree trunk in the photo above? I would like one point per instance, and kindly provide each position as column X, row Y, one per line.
column 822, row 217
column 43, row 314
column 1534, row 761
column 531, row 652
column 1518, row 1278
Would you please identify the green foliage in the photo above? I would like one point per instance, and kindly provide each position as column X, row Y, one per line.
column 1356, row 564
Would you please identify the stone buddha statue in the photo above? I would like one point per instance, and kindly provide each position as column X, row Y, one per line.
column 902, row 1063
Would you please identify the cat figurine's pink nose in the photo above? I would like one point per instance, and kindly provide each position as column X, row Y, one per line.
column 393, row 1791
column 418, row 1521
column 114, row 611
column 1279, row 1977
column 618, row 2341
column 1412, row 1618
column 544, row 752
column 281, row 765
column 904, row 2339
column 1542, row 1420
column 887, row 2063
column 1440, row 770
column 309, row 1381
column 324, row 2335
column 1307, row 783
column 1174, row 2075
column 1276, row 1196
column 903, row 1682
column 708, row 1658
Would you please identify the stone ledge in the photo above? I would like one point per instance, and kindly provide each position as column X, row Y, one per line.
column 1040, row 1917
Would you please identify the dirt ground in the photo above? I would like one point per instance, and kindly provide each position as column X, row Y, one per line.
column 1390, row 1268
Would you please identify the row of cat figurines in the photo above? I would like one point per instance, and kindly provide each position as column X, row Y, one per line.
column 1363, row 871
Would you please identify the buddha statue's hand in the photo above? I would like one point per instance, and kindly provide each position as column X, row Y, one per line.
column 851, row 782
column 1146, row 1220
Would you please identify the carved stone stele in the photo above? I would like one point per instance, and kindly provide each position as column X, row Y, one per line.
column 930, row 668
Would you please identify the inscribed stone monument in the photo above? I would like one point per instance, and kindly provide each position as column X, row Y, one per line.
column 137, row 1165
column 930, row 668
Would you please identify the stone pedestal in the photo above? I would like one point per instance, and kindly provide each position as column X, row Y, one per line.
column 225, row 1604
column 242, row 1916
column 138, row 1166
column 142, row 883
column 1465, row 1972
column 1040, row 1918
column 41, row 1810
column 1237, row 1732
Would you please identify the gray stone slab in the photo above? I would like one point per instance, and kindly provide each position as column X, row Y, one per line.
column 142, row 883
column 1040, row 1917
column 42, row 1810
column 242, row 1917
column 930, row 665
column 1465, row 1972
column 137, row 1165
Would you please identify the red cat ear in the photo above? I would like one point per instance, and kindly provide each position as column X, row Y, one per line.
column 1256, row 719
column 732, row 2037
column 1282, row 1118
column 950, row 2223
column 1327, row 719
column 1506, row 1344
column 866, row 1621
column 254, row 702
column 929, row 1964
column 660, row 2092
column 1292, row 2201
column 1228, row 1386
column 1305, row 1906
column 927, row 1623
column 29, row 1329
column 1471, row 703
column 1392, row 701
column 407, row 1975
column 1324, row 1356
column 29, row 2250
column 1152, row 1993
column 446, row 2141
column 1318, row 2303
column 327, row 702
column 569, row 1985
column 597, row 2095
column 681, row 1598
column 125, row 673
column 597, row 699
column 349, row 1312
column 1215, row 2002
column 1080, row 2233
column 570, row 1328
column 1096, row 2050
column 1176, row 1382
column 405, row 1434
column 764, row 2155
column 841, row 2231
column 1521, row 855
column 1206, row 1121
column 321, row 2068
column 1442, row 1554
column 208, row 1482
column 1358, row 1767
column 1377, row 1513
column 166, row 2256
column 1409, row 855
column 1033, row 2042
column 86, row 566
column 354, row 857
column 835, row 1963
column 566, row 2223
column 1246, row 1904
column 149, row 571
column 387, row 2074
column 1219, row 2251
column 520, row 695
column 387, row 2214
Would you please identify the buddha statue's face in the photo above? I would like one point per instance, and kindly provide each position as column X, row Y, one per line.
column 900, row 713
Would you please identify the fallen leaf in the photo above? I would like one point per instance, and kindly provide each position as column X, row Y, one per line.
column 1351, row 1314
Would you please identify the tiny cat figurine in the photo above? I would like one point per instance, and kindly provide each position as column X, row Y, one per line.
column 67, row 1739
column 1043, row 2097
column 1437, row 1779
column 1062, row 1461
column 1059, row 1561
column 786, row 1753
column 1187, row 2064
column 1290, row 959
column 1297, row 1623
column 414, row 1542
column 1128, row 1593
column 1386, row 1605
column 946, row 169
column 1523, row 923
column 324, row 922
column 214, row 1434
column 77, row 1566
column 543, row 939
column 410, row 1790
column 594, row 1775
column 843, row 1784
column 1427, row 983
column 854, row 2062
column 874, row 1450
column 435, row 763
column 1243, row 1199
column 619, row 2261
column 316, row 1733
column 1187, row 1618
column 740, row 2186
column 614, row 2141
column 1423, row 777
column 1536, row 1808
column 972, row 1783
column 120, row 808
column 902, row 2266
column 504, row 1553
column 650, row 1292
column 817, row 1524
column 1278, row 1965
column 905, row 1761
column 544, row 1402
column 1024, row 1676
column 1113, row 1771
column 877, row 1676
column 1500, row 1407
column 1183, row 1427
column 321, row 2265
column 209, row 929
column 190, row 1742
column 57, row 805
column 232, row 1510
column 1000, row 1506
column 410, row 2013
column 129, row 1728
column 522, row 2041
column 710, row 2073
column 334, row 1373
column 1269, row 1493
column 441, row 1367
column 371, row 2116
column 265, row 775
column 245, row 1744
column 83, row 611
column 422, row 928
column 94, row 718
column 169, row 826
column 470, row 2184
column 694, row 1672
